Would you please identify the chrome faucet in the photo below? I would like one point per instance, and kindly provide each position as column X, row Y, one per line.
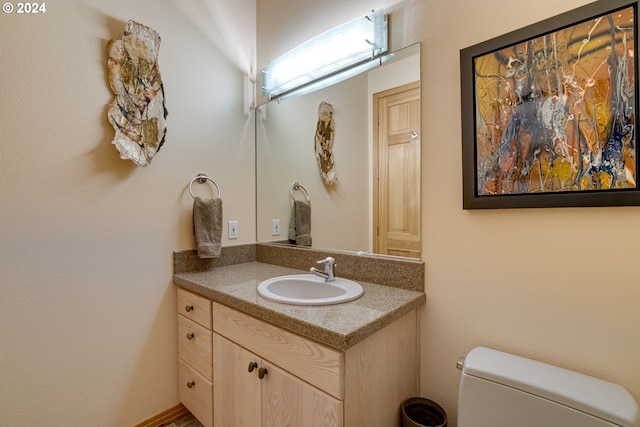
column 329, row 269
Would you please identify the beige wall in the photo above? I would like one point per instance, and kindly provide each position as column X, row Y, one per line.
column 87, row 304
column 558, row 285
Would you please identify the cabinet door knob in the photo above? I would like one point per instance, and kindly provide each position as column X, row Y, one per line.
column 252, row 366
column 191, row 336
column 191, row 384
column 262, row 372
column 188, row 308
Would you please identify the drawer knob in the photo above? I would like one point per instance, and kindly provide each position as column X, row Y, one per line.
column 188, row 308
column 262, row 372
column 191, row 384
column 191, row 336
column 252, row 366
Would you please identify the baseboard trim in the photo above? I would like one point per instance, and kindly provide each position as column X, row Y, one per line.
column 165, row 417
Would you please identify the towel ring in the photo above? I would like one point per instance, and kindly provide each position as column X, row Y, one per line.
column 202, row 178
column 296, row 186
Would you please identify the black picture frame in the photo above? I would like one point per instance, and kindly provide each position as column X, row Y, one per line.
column 486, row 174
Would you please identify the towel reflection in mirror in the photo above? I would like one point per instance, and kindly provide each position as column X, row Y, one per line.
column 300, row 219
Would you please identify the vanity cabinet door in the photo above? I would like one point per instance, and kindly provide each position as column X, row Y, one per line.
column 313, row 362
column 236, row 391
column 242, row 399
column 289, row 401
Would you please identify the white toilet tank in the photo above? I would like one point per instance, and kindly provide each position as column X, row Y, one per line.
column 502, row 390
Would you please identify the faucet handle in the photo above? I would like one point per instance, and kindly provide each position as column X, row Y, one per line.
column 328, row 261
column 329, row 269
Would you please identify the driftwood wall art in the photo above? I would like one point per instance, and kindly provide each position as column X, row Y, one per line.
column 324, row 143
column 137, row 112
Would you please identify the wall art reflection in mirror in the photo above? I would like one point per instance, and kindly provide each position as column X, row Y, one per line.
column 324, row 143
column 549, row 112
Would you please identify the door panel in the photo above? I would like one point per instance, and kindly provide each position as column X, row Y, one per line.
column 236, row 391
column 289, row 401
column 397, row 181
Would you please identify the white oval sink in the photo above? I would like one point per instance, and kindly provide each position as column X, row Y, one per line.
column 307, row 289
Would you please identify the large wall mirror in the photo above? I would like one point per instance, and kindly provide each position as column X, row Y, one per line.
column 375, row 205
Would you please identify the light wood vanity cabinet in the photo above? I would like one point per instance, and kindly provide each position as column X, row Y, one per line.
column 243, row 399
column 195, row 363
column 307, row 393
column 304, row 382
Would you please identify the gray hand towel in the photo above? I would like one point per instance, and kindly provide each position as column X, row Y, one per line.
column 300, row 223
column 207, row 225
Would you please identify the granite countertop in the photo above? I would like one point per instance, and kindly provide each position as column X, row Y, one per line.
column 340, row 326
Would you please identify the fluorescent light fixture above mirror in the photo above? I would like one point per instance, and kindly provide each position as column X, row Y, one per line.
column 350, row 45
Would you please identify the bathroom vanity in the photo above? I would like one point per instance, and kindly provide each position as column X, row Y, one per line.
column 248, row 361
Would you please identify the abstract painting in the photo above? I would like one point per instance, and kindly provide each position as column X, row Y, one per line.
column 554, row 114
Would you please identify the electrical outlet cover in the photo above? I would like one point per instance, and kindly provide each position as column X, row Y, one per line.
column 233, row 229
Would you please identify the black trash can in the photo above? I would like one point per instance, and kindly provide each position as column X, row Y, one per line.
column 421, row 412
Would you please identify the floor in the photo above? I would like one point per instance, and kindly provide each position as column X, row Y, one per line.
column 188, row 421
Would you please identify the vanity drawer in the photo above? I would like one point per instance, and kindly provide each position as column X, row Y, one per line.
column 194, row 307
column 194, row 346
column 315, row 363
column 196, row 393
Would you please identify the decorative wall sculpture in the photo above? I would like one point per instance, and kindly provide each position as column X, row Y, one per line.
column 138, row 111
column 324, row 143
